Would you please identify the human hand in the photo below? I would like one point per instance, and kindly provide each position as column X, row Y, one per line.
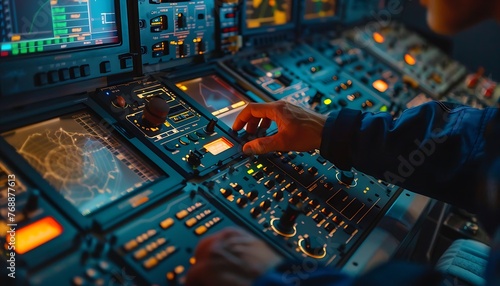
column 298, row 129
column 231, row 257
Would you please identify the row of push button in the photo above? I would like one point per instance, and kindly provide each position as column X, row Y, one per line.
column 74, row 72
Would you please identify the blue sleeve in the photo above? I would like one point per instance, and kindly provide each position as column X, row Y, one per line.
column 434, row 149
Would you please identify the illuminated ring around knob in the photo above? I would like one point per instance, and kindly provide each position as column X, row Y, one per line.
column 280, row 232
column 303, row 249
column 354, row 184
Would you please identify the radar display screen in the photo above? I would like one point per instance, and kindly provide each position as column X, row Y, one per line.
column 82, row 159
column 267, row 13
column 30, row 27
column 317, row 9
column 216, row 95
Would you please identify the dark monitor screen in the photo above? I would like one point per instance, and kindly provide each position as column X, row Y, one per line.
column 216, row 95
column 30, row 27
column 268, row 13
column 318, row 9
column 82, row 159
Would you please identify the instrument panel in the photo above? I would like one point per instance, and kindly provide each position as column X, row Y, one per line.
column 116, row 149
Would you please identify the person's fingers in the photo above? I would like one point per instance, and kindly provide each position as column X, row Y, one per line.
column 195, row 275
column 265, row 123
column 262, row 145
column 206, row 245
column 258, row 110
column 252, row 125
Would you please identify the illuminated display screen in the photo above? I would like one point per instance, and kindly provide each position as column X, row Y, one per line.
column 216, row 95
column 316, row 9
column 82, row 159
column 218, row 146
column 35, row 234
column 31, row 27
column 266, row 13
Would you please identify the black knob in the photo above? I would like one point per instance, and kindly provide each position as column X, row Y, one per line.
column 226, row 192
column 193, row 159
column 346, row 177
column 313, row 247
column 288, row 218
column 32, row 202
column 242, row 201
column 265, row 205
column 155, row 112
column 211, row 126
column 316, row 98
column 255, row 211
column 252, row 195
column 278, row 195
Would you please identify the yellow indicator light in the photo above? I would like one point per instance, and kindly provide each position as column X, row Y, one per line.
column 218, row 146
column 36, row 234
column 384, row 108
column 259, row 166
column 380, row 85
column 409, row 59
column 15, row 38
column 377, row 37
column 327, row 101
column 251, row 171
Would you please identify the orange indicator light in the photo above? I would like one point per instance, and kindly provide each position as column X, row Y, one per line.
column 380, row 85
column 409, row 59
column 33, row 235
column 377, row 37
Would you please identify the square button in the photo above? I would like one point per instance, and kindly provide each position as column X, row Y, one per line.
column 64, row 74
column 74, row 72
column 126, row 63
column 41, row 79
column 85, row 70
column 53, row 76
column 105, row 67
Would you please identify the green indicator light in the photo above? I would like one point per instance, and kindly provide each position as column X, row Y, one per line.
column 24, row 50
column 61, row 31
column 15, row 51
column 31, row 44
column 32, row 49
column 277, row 74
column 250, row 171
column 59, row 18
column 384, row 108
column 72, row 39
column 60, row 25
column 23, row 45
column 59, row 10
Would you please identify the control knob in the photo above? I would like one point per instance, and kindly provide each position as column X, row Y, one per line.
column 155, row 112
column 286, row 223
column 346, row 177
column 312, row 247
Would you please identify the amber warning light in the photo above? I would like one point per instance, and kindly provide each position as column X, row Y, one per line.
column 35, row 234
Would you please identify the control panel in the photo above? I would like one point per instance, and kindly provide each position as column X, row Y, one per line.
column 411, row 54
column 171, row 125
column 117, row 153
column 401, row 91
column 173, row 30
column 298, row 74
column 303, row 204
